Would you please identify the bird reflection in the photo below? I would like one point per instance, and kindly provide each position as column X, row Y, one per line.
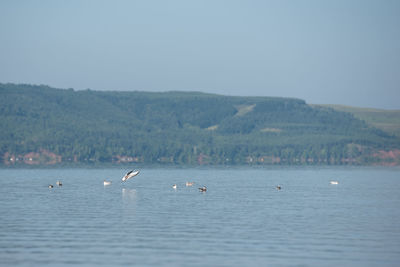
column 128, row 194
column 129, row 203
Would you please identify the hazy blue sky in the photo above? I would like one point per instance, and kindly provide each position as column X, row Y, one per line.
column 341, row 52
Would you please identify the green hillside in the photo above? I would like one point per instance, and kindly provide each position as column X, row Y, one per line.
column 386, row 120
column 43, row 125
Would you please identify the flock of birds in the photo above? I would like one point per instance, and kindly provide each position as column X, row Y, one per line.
column 188, row 184
column 57, row 183
column 133, row 173
column 127, row 176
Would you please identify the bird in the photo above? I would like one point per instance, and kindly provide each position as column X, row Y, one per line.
column 174, row 186
column 189, row 183
column 334, row 182
column 51, row 186
column 278, row 187
column 59, row 183
column 203, row 189
column 107, row 182
column 130, row 175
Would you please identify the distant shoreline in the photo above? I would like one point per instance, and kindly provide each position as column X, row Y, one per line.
column 47, row 126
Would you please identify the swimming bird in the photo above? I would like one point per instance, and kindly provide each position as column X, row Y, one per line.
column 278, row 187
column 334, row 182
column 130, row 175
column 189, row 183
column 107, row 182
column 59, row 183
column 174, row 186
column 203, row 189
column 51, row 186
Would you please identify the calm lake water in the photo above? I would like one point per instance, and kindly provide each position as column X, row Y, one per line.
column 242, row 219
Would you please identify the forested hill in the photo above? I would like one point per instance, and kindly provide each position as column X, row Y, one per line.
column 43, row 125
column 387, row 120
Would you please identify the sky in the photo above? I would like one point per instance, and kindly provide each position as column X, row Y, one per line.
column 326, row 52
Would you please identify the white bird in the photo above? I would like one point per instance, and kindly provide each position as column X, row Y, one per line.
column 107, row 182
column 174, row 186
column 50, row 186
column 130, row 175
column 189, row 183
column 334, row 182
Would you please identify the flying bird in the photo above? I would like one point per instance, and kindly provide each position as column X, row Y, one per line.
column 130, row 174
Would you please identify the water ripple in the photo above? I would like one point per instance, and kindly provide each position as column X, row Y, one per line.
column 242, row 220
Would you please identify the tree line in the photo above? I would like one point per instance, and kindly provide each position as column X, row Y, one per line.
column 181, row 128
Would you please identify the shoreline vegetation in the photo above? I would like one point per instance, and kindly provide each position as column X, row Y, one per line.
column 44, row 126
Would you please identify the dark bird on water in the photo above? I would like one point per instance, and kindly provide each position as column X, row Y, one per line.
column 203, row 189
column 278, row 187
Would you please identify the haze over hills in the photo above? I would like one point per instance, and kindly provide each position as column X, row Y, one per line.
column 44, row 125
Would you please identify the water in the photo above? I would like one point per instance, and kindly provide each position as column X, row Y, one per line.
column 242, row 220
